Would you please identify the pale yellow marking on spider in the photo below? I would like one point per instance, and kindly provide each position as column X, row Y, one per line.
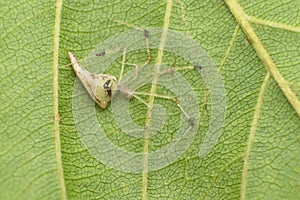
column 99, row 86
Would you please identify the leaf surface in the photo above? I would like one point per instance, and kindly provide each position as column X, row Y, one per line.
column 257, row 154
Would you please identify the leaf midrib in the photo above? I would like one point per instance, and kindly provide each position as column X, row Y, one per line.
column 55, row 98
column 151, row 98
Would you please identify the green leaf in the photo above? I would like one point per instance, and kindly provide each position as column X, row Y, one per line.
column 255, row 46
column 28, row 161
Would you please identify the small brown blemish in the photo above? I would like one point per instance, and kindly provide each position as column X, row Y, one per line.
column 146, row 128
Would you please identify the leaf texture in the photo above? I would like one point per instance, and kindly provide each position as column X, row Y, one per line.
column 255, row 47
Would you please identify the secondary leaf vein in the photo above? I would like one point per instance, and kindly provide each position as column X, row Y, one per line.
column 262, row 53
